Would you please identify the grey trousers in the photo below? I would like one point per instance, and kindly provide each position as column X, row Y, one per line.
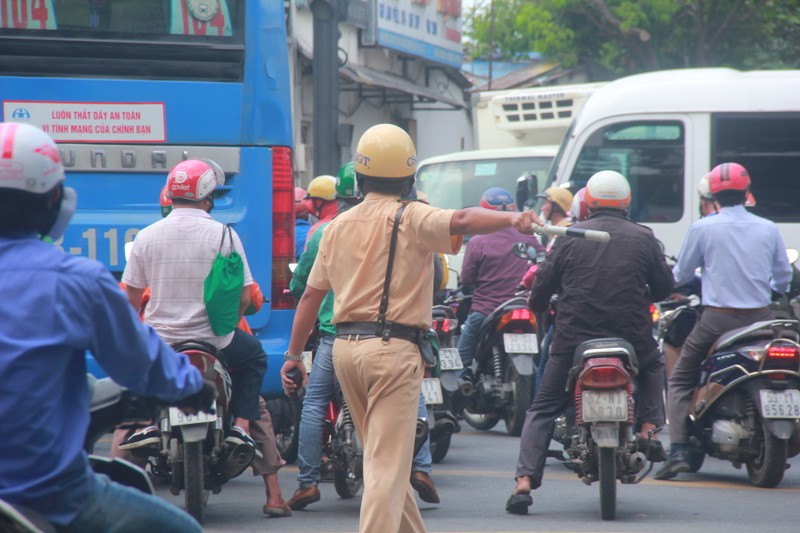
column 552, row 400
column 686, row 374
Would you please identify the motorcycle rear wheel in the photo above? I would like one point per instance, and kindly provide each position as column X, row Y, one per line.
column 194, row 489
column 285, row 414
column 480, row 421
column 521, row 390
column 439, row 448
column 607, row 472
column 348, row 480
column 767, row 468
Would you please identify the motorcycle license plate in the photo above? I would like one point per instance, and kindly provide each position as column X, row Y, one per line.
column 179, row 418
column 432, row 390
column 605, row 405
column 780, row 403
column 520, row 343
column 449, row 359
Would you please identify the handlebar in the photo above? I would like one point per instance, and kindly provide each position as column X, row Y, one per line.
column 561, row 231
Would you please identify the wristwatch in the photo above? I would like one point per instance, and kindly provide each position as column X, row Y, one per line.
column 289, row 357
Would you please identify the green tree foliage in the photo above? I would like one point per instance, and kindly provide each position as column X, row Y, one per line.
column 630, row 36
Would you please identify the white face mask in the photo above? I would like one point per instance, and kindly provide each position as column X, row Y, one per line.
column 69, row 202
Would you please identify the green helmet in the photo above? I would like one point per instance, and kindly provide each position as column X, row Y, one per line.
column 346, row 182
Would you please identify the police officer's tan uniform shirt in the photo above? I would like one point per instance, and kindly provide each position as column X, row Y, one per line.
column 354, row 252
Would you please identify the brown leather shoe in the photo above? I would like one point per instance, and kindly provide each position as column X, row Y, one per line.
column 302, row 497
column 423, row 484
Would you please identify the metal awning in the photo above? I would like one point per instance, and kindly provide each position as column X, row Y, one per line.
column 372, row 82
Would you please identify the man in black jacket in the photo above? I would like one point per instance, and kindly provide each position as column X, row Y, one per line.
column 605, row 290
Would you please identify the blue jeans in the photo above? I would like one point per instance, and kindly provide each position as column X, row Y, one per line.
column 115, row 508
column 422, row 461
column 468, row 341
column 319, row 391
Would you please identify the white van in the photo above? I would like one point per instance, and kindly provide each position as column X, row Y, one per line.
column 664, row 130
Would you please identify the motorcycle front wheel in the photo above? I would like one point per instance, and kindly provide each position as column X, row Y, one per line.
column 194, row 490
column 607, row 472
column 767, row 468
column 439, row 448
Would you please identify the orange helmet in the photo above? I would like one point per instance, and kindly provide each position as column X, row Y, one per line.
column 608, row 189
column 165, row 202
column 194, row 179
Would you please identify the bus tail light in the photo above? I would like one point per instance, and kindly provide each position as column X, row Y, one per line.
column 282, row 227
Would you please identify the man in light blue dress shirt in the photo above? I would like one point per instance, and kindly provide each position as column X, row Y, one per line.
column 743, row 260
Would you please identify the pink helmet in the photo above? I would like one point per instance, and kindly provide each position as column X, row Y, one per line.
column 300, row 204
column 194, row 179
column 728, row 177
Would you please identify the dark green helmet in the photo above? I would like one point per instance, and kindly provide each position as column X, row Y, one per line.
column 346, row 182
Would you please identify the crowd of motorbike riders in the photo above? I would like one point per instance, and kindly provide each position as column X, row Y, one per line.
column 603, row 290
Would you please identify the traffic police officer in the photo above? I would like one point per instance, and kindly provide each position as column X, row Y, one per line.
column 378, row 364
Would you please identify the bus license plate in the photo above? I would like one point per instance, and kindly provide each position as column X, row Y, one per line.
column 432, row 390
column 449, row 359
column 520, row 343
column 605, row 405
column 179, row 418
column 780, row 403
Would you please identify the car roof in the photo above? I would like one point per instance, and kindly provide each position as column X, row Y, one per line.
column 498, row 153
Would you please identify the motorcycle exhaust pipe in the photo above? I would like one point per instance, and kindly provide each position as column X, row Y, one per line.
column 237, row 461
column 637, row 461
column 420, row 434
column 466, row 388
column 444, row 427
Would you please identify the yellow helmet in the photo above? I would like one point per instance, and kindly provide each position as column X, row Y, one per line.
column 386, row 151
column 559, row 196
column 322, row 187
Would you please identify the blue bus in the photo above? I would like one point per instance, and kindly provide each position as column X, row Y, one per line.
column 130, row 88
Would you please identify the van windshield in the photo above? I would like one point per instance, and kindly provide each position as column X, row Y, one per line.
column 458, row 184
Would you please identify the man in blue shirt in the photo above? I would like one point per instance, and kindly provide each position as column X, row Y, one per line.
column 743, row 260
column 54, row 307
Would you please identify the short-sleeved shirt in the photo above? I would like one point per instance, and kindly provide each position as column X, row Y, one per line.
column 354, row 252
column 173, row 257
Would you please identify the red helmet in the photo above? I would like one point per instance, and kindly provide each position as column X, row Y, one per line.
column 728, row 177
column 194, row 179
column 497, row 199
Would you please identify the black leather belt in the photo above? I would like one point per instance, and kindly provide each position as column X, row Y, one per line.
column 371, row 330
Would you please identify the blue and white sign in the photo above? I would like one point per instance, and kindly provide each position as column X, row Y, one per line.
column 430, row 29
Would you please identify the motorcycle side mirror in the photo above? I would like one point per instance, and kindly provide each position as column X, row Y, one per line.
column 527, row 189
column 793, row 255
column 520, row 249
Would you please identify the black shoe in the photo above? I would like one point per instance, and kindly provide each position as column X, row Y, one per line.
column 519, row 503
column 145, row 437
column 237, row 436
column 676, row 464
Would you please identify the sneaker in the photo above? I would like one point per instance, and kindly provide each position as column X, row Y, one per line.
column 676, row 463
column 238, row 436
column 148, row 436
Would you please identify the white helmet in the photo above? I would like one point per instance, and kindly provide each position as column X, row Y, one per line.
column 608, row 189
column 29, row 159
column 703, row 187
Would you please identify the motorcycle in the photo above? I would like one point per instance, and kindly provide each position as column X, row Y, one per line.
column 601, row 445
column 342, row 447
column 193, row 456
column 441, row 383
column 503, row 367
column 110, row 405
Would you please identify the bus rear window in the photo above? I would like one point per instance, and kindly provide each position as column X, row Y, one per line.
column 650, row 155
column 173, row 39
column 769, row 148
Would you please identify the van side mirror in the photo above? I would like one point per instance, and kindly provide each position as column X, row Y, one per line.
column 527, row 189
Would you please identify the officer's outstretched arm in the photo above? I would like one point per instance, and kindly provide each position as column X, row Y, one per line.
column 479, row 221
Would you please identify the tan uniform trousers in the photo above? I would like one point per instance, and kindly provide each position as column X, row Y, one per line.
column 381, row 384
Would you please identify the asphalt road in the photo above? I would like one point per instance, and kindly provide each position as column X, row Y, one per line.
column 476, row 477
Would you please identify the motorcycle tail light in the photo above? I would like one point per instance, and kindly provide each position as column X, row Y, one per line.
column 517, row 315
column 782, row 356
column 782, row 352
column 655, row 313
column 605, row 377
column 449, row 324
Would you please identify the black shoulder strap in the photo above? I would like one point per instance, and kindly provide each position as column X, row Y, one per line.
column 385, row 298
column 226, row 228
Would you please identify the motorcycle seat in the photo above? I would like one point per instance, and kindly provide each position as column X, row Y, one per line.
column 608, row 347
column 768, row 329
